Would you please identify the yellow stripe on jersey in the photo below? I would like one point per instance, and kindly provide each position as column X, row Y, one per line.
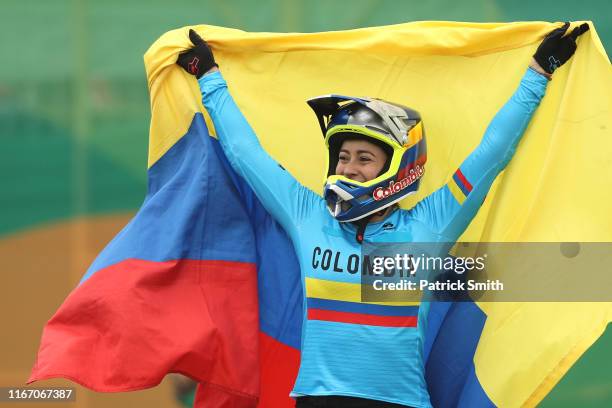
column 344, row 291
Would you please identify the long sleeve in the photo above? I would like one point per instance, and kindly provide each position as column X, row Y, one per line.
column 282, row 195
column 451, row 208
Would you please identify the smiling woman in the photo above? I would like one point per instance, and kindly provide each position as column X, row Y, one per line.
column 371, row 144
column 376, row 154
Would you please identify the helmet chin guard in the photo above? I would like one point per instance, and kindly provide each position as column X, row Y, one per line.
column 395, row 128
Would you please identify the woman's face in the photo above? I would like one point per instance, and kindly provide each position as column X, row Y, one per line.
column 360, row 160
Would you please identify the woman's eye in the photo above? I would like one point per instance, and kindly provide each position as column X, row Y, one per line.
column 365, row 159
column 343, row 158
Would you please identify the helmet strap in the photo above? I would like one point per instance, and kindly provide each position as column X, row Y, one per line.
column 363, row 222
column 361, row 226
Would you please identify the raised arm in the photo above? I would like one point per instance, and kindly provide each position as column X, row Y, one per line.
column 450, row 209
column 288, row 201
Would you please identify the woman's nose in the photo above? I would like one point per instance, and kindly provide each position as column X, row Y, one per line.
column 349, row 170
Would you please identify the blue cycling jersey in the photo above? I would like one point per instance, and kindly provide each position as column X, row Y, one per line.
column 350, row 347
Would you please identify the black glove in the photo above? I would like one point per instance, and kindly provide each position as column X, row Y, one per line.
column 556, row 49
column 198, row 60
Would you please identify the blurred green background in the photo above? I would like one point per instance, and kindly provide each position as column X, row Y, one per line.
column 74, row 108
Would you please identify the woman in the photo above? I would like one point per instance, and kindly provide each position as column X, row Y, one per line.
column 356, row 354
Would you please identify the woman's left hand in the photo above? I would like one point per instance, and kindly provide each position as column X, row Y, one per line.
column 556, row 49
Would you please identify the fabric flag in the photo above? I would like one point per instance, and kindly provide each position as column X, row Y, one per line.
column 200, row 234
column 156, row 299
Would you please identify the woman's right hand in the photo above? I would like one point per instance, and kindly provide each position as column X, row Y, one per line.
column 199, row 60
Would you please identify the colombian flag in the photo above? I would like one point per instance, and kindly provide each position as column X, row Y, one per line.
column 203, row 282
